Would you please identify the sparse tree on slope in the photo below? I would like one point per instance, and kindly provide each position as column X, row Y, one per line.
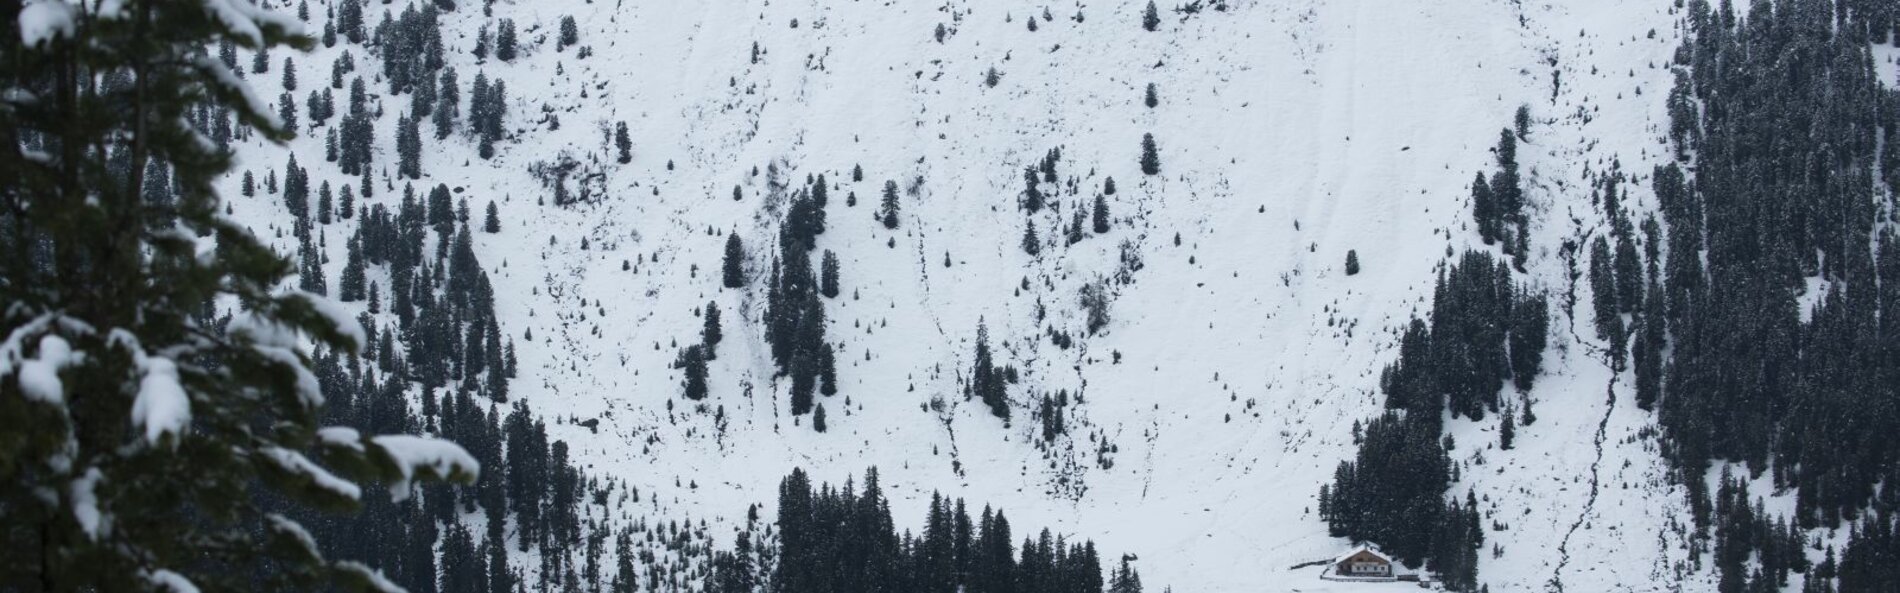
column 887, row 211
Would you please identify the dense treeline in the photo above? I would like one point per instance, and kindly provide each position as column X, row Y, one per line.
column 1482, row 330
column 844, row 540
column 1785, row 183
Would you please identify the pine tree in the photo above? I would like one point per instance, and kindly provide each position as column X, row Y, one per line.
column 986, row 381
column 352, row 289
column 623, row 143
column 447, row 107
column 692, row 362
column 505, row 41
column 1100, row 215
column 828, row 275
column 570, row 33
column 132, row 457
column 888, row 209
column 491, row 223
column 1150, row 17
column 1150, row 158
column 1032, row 245
column 710, row 334
column 1352, row 262
column 290, row 75
column 818, row 418
column 409, row 147
column 324, row 203
column 1507, row 430
column 734, row 265
column 1151, row 98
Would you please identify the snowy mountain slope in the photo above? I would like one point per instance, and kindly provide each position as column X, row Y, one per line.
column 1236, row 361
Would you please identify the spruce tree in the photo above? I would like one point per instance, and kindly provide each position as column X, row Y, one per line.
column 888, row 209
column 1151, row 98
column 1352, row 262
column 132, row 442
column 570, row 33
column 623, row 143
column 491, row 222
column 1507, row 430
column 828, row 275
column 409, row 147
column 1100, row 215
column 692, row 362
column 1150, row 158
column 1150, row 17
column 710, row 334
column 447, row 106
column 734, row 264
column 505, row 41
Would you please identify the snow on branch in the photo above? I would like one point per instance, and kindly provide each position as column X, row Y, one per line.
column 337, row 315
column 165, row 580
column 296, row 464
column 431, row 458
column 47, row 20
column 161, row 406
column 367, row 578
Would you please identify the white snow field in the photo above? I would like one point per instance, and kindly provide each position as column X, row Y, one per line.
column 1223, row 392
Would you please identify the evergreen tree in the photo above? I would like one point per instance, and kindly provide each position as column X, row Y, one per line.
column 986, row 381
column 324, row 203
column 1032, row 245
column 447, row 107
column 710, row 334
column 1100, row 215
column 692, row 362
column 505, row 41
column 409, row 148
column 623, row 143
column 352, row 288
column 150, row 432
column 734, row 264
column 1151, row 98
column 1352, row 262
column 888, row 209
column 818, row 418
column 570, row 33
column 1150, row 159
column 1507, row 430
column 290, row 75
column 828, row 275
column 1150, row 17
column 491, row 222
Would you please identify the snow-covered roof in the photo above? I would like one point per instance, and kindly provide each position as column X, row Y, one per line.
column 1355, row 551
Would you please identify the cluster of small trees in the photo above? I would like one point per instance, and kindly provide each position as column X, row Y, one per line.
column 844, row 540
column 1498, row 204
column 1482, row 330
column 795, row 310
column 989, row 382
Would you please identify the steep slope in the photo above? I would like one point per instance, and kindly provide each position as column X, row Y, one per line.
column 1224, row 388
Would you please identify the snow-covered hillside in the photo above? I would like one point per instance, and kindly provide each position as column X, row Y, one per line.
column 1224, row 389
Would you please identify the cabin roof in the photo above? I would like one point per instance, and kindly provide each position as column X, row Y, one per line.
column 1355, row 551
